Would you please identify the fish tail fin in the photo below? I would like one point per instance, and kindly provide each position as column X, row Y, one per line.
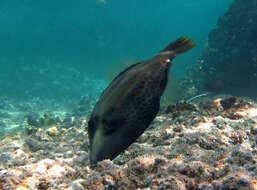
column 179, row 46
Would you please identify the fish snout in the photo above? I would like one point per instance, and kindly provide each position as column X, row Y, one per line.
column 93, row 158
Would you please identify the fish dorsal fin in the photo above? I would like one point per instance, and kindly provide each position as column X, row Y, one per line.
column 124, row 71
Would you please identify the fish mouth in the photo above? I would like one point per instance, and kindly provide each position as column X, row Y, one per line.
column 103, row 147
column 108, row 147
column 105, row 152
column 96, row 149
column 94, row 158
column 93, row 161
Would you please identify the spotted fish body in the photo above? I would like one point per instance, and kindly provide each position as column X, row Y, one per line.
column 130, row 103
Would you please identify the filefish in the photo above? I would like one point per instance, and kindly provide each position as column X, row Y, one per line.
column 130, row 103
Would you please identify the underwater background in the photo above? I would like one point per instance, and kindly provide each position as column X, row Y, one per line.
column 47, row 46
column 57, row 57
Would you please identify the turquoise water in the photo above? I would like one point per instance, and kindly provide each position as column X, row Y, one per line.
column 91, row 35
column 59, row 55
column 67, row 50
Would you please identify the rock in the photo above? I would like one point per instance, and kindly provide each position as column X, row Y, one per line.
column 69, row 154
column 53, row 131
column 33, row 144
column 239, row 180
column 177, row 128
column 78, row 184
column 205, row 186
column 81, row 159
column 204, row 152
column 254, row 129
column 170, row 133
column 219, row 122
column 5, row 156
column 228, row 102
column 225, row 50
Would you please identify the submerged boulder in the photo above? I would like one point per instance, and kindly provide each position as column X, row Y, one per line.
column 229, row 62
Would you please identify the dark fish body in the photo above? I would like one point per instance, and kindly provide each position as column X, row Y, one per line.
column 130, row 103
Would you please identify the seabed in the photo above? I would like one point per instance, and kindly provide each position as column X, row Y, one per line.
column 209, row 144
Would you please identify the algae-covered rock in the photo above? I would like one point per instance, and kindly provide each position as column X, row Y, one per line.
column 201, row 148
column 53, row 131
column 45, row 121
column 229, row 62
column 48, row 120
column 30, row 129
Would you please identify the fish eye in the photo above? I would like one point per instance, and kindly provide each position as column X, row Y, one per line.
column 93, row 122
column 105, row 121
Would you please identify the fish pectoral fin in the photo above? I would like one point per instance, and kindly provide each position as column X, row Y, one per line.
column 112, row 124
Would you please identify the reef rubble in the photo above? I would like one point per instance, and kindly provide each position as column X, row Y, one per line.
column 206, row 145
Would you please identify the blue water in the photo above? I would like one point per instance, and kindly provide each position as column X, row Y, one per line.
column 50, row 48
column 90, row 34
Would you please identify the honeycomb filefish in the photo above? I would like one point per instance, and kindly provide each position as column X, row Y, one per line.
column 130, row 103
